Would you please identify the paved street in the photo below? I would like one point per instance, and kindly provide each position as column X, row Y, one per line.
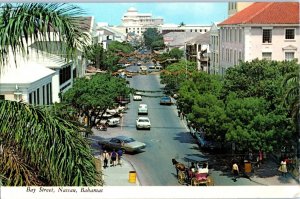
column 168, row 138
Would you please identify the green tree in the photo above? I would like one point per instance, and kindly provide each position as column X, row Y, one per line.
column 153, row 39
column 199, row 100
column 95, row 53
column 176, row 53
column 96, row 94
column 176, row 73
column 116, row 46
column 259, row 113
column 37, row 146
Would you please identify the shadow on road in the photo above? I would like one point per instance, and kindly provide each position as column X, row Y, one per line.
column 185, row 137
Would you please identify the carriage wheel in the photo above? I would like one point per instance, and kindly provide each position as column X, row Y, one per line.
column 194, row 182
column 181, row 177
column 210, row 181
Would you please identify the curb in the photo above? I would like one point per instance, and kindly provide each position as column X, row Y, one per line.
column 138, row 182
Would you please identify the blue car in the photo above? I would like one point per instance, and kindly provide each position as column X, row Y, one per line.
column 166, row 100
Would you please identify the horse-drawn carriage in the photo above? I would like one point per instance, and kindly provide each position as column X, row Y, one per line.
column 196, row 173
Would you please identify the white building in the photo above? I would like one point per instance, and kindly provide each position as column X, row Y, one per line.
column 137, row 23
column 108, row 33
column 263, row 30
column 214, row 46
column 37, row 79
column 167, row 28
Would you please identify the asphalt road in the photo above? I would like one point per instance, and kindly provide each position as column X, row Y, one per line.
column 168, row 138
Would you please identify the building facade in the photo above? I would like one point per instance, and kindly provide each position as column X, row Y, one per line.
column 137, row 23
column 167, row 28
column 214, row 46
column 263, row 30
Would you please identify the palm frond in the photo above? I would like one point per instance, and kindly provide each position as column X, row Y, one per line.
column 25, row 23
column 53, row 146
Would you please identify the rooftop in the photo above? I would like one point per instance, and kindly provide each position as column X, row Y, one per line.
column 266, row 13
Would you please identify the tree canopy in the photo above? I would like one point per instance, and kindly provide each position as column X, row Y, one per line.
column 153, row 39
column 96, row 94
column 176, row 73
column 245, row 107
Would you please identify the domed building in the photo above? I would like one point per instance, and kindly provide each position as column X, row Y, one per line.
column 137, row 23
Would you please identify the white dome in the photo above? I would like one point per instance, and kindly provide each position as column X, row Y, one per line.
column 132, row 9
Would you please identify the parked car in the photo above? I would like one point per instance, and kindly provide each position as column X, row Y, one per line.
column 129, row 75
column 143, row 109
column 137, row 97
column 143, row 69
column 113, row 121
column 166, row 100
column 143, row 123
column 139, row 63
column 151, row 67
column 122, row 142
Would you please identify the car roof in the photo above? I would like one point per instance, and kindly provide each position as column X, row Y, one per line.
column 143, row 118
column 122, row 137
column 143, row 104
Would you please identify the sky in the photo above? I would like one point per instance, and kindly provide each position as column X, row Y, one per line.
column 201, row 13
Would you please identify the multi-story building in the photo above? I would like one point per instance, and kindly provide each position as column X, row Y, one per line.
column 214, row 46
column 106, row 34
column 263, row 30
column 37, row 80
column 42, row 77
column 137, row 23
column 197, row 50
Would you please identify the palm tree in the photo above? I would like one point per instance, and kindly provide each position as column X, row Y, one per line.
column 292, row 86
column 37, row 146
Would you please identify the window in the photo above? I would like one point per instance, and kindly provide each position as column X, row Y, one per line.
column 30, row 98
column 2, row 97
column 267, row 56
column 38, row 96
column 289, row 56
column 267, row 36
column 289, row 33
column 44, row 102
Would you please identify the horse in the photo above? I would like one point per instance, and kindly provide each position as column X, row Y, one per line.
column 178, row 165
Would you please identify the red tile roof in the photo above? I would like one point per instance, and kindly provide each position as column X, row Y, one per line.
column 266, row 13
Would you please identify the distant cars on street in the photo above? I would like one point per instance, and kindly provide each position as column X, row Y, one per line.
column 143, row 123
column 137, row 97
column 143, row 109
column 122, row 142
column 166, row 100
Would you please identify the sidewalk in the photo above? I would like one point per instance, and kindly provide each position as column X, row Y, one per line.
column 119, row 175
column 268, row 174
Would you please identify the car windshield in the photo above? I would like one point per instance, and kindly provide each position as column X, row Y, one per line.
column 143, row 120
column 165, row 98
column 128, row 140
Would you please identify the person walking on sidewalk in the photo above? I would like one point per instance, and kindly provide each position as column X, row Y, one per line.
column 235, row 170
column 105, row 156
column 120, row 153
column 283, row 168
column 113, row 158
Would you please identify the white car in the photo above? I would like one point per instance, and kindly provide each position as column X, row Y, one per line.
column 137, row 97
column 143, row 109
column 143, row 123
column 113, row 121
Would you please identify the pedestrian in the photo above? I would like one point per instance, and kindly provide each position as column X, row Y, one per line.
column 282, row 168
column 181, row 115
column 113, row 158
column 105, row 156
column 235, row 170
column 120, row 153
